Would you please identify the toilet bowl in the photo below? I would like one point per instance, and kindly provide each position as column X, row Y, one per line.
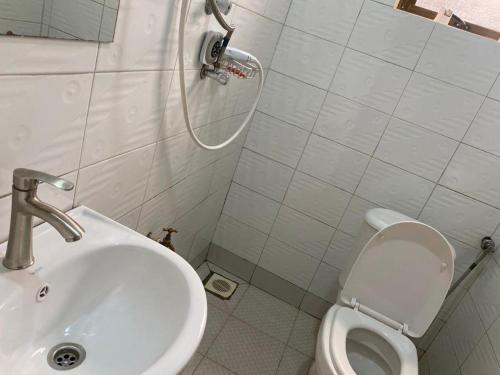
column 391, row 290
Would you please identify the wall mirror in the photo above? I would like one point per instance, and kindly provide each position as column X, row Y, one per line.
column 90, row 20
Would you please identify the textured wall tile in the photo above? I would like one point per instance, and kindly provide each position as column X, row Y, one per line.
column 299, row 268
column 306, row 57
column 333, row 163
column 438, row 106
column 352, row 124
column 340, row 249
column 256, row 34
column 239, row 239
column 324, row 283
column 486, row 298
column 482, row 359
column 276, row 139
column 145, row 37
column 303, row 233
column 395, row 36
column 484, row 131
column 465, row 328
column 355, row 215
column 452, row 55
column 170, row 164
column 329, row 19
column 415, row 149
column 251, row 208
column 461, row 217
column 42, row 124
column 206, row 100
column 315, row 198
column 263, row 175
column 474, row 173
column 224, row 171
column 394, row 188
column 115, row 186
column 291, row 101
column 274, row 9
column 495, row 90
column 126, row 111
column 370, row 81
column 30, row 55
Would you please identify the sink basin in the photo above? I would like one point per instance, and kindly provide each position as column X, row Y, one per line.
column 134, row 306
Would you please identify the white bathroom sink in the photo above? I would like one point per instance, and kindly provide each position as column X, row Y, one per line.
column 133, row 305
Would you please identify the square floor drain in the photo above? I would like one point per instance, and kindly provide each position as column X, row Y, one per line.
column 220, row 286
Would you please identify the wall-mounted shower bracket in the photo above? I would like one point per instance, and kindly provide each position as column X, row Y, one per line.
column 217, row 74
column 488, row 245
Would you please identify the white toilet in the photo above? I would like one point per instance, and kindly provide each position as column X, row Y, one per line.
column 392, row 287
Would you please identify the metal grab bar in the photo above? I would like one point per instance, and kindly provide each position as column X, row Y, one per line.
column 488, row 246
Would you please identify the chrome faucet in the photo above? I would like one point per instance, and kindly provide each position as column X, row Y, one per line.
column 25, row 205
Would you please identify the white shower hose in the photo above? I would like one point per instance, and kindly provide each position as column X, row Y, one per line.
column 185, row 107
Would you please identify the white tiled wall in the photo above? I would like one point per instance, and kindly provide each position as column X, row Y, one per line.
column 106, row 116
column 366, row 106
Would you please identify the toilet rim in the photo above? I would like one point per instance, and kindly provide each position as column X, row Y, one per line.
column 345, row 319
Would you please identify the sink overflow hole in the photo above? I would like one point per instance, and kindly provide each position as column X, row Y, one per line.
column 66, row 356
column 42, row 292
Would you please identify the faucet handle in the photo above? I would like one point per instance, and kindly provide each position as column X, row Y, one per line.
column 28, row 179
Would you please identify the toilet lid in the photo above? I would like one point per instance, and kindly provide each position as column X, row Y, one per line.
column 404, row 273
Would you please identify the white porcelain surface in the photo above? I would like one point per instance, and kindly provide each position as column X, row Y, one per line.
column 411, row 293
column 116, row 293
column 333, row 356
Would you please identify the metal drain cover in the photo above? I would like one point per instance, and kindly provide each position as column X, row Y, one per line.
column 66, row 356
column 220, row 286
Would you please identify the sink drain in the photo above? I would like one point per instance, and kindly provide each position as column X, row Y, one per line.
column 66, row 356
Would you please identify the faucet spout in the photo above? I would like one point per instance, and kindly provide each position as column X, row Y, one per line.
column 68, row 228
column 26, row 205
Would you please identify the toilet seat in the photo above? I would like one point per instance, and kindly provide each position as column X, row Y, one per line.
column 340, row 321
column 394, row 289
